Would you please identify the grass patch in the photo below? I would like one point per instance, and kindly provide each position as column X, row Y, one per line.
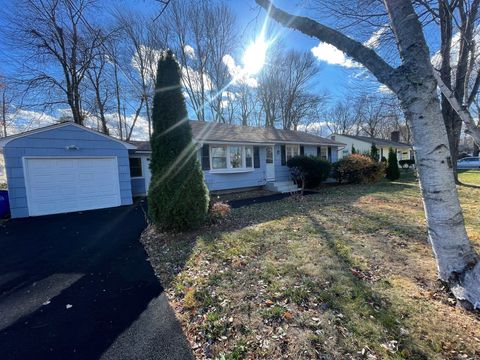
column 345, row 273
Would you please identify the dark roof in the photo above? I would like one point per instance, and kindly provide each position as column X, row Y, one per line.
column 5, row 140
column 376, row 141
column 204, row 131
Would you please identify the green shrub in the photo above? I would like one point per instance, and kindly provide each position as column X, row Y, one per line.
column 358, row 169
column 313, row 169
column 177, row 197
column 393, row 172
column 374, row 153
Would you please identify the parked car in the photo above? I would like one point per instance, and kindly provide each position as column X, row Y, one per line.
column 470, row 162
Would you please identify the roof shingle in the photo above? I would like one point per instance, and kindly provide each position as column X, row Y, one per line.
column 377, row 141
column 203, row 131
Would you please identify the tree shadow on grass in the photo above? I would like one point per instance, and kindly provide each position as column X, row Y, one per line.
column 362, row 306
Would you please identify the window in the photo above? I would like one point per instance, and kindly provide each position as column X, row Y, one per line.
column 235, row 157
column 323, row 152
column 269, row 155
column 136, row 167
column 248, row 156
column 292, row 151
column 219, row 157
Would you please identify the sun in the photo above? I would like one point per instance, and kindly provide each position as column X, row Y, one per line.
column 254, row 56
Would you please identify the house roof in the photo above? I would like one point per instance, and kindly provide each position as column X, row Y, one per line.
column 5, row 140
column 213, row 132
column 376, row 141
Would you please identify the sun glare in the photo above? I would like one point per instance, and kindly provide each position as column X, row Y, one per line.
column 254, row 56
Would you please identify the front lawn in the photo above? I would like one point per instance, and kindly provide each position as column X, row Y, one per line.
column 346, row 273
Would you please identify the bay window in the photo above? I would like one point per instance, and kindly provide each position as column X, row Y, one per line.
column 219, row 157
column 291, row 151
column 231, row 157
column 248, row 156
column 236, row 158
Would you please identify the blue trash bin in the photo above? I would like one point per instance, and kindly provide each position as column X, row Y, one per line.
column 4, row 204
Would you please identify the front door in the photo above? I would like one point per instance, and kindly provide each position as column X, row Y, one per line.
column 270, row 163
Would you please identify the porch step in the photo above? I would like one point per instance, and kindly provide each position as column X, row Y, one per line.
column 282, row 186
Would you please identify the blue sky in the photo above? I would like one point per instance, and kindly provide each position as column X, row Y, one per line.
column 333, row 78
column 339, row 77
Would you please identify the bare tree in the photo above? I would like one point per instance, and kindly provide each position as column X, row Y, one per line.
column 56, row 36
column 142, row 47
column 295, row 76
column 202, row 34
column 101, row 91
column 269, row 85
column 283, row 88
column 414, row 84
column 343, row 118
column 457, row 22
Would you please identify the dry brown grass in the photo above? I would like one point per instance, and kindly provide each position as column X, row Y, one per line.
column 346, row 273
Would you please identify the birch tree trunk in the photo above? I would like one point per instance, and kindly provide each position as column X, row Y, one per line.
column 414, row 84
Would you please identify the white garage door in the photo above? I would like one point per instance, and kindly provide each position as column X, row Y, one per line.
column 57, row 185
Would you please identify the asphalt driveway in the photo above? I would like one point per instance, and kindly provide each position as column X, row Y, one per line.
column 78, row 286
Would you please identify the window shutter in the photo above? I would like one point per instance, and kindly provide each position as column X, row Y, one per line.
column 319, row 151
column 205, row 157
column 329, row 154
column 302, row 150
column 283, row 154
column 256, row 157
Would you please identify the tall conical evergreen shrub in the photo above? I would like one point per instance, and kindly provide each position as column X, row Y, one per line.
column 392, row 172
column 177, row 197
column 374, row 152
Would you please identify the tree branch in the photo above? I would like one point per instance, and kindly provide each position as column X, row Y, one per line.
column 356, row 50
column 462, row 112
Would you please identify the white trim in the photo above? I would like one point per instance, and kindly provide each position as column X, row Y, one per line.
column 232, row 171
column 5, row 141
column 25, row 178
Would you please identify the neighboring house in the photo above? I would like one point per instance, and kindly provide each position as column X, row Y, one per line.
column 363, row 144
column 67, row 167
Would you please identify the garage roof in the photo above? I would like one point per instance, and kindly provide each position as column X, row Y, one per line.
column 4, row 141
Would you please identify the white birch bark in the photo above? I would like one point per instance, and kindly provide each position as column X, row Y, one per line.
column 414, row 84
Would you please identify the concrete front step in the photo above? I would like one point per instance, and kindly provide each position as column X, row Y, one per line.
column 282, row 186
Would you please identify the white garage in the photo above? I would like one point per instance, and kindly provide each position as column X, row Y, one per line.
column 65, row 168
column 58, row 185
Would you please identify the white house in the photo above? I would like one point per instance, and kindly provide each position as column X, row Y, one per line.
column 363, row 144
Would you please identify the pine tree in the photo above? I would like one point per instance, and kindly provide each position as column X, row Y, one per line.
column 178, row 197
column 393, row 172
column 374, row 152
column 354, row 151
